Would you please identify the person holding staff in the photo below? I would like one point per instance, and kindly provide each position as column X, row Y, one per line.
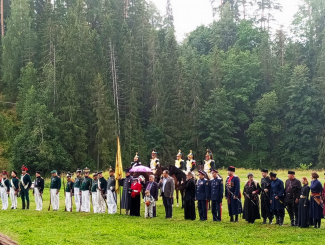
column 233, row 195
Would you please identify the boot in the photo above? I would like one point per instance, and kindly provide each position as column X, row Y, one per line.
column 277, row 220
column 281, row 221
column 236, row 218
column 292, row 222
column 23, row 205
column 231, row 218
column 315, row 223
column 270, row 221
column 296, row 222
column 264, row 221
column 319, row 222
column 27, row 205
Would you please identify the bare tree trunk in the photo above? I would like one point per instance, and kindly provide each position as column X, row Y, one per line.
column 126, row 6
column 2, row 24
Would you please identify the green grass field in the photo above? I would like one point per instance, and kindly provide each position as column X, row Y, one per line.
column 32, row 227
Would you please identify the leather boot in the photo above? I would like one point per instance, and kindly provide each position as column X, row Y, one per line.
column 231, row 218
column 277, row 220
column 236, row 218
column 292, row 222
column 315, row 223
column 27, row 205
column 23, row 203
column 281, row 221
column 319, row 222
column 264, row 221
column 270, row 221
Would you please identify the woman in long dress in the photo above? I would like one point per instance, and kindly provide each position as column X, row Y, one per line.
column 135, row 190
column 189, row 197
column 316, row 206
column 251, row 205
column 303, row 211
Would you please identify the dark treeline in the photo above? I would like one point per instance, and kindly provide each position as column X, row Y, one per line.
column 81, row 72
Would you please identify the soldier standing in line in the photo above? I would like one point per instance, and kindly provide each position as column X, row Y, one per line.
column 38, row 191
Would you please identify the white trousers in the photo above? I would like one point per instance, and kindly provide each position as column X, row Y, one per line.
column 68, row 201
column 85, row 205
column 77, row 198
column 101, row 203
column 94, row 198
column 111, row 202
column 38, row 200
column 4, row 198
column 55, row 199
column 13, row 198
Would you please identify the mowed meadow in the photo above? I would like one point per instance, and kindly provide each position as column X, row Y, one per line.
column 32, row 227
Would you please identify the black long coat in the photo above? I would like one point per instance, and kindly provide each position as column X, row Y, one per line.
column 251, row 205
column 189, row 200
column 303, row 207
column 126, row 195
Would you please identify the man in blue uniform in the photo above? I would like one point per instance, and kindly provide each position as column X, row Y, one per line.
column 277, row 198
column 25, row 184
column 232, row 194
column 202, row 195
column 216, row 185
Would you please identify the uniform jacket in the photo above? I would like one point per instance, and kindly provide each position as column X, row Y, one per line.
column 202, row 190
column 39, row 184
column 111, row 183
column 265, row 184
column 5, row 183
column 25, row 182
column 216, row 189
column 55, row 183
column 102, row 185
column 77, row 182
column 292, row 190
column 277, row 190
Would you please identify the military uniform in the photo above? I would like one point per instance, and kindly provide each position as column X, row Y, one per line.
column 202, row 195
column 4, row 190
column 232, row 188
column 25, row 184
column 190, row 165
column 292, row 192
column 111, row 195
column 216, row 197
column 77, row 191
column 14, row 188
column 180, row 164
column 277, row 205
column 55, row 191
column 154, row 162
column 69, row 189
column 38, row 192
column 94, row 194
column 265, row 198
column 101, row 194
column 135, row 164
column 126, row 196
column 85, row 194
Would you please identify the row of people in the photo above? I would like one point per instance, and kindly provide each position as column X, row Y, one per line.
column 274, row 198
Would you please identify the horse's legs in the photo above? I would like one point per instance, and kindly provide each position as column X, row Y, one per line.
column 177, row 195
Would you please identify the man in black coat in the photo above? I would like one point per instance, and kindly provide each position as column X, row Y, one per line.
column 265, row 197
column 126, row 195
column 152, row 186
column 189, row 197
column 292, row 195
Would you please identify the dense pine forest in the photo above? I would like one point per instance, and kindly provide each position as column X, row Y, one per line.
column 77, row 73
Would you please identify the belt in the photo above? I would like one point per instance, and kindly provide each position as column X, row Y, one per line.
column 303, row 196
column 315, row 194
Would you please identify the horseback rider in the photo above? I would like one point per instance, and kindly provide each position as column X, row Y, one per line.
column 179, row 162
column 208, row 163
column 190, row 163
column 154, row 161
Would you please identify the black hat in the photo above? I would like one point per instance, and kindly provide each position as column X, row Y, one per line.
column 202, row 172
column 38, row 172
column 111, row 170
column 214, row 170
column 127, row 170
column 264, row 171
column 291, row 172
column 232, row 169
column 100, row 172
column 272, row 174
column 14, row 172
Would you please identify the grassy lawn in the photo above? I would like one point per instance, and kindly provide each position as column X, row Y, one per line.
column 32, row 227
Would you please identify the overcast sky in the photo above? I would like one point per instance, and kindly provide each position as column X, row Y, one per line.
column 188, row 14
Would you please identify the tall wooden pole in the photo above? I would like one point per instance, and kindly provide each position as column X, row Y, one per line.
column 2, row 24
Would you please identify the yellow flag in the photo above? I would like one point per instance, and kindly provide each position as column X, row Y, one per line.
column 118, row 165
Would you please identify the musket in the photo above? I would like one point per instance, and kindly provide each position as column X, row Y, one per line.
column 79, row 194
column 50, row 202
column 249, row 198
column 232, row 193
column 101, row 193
